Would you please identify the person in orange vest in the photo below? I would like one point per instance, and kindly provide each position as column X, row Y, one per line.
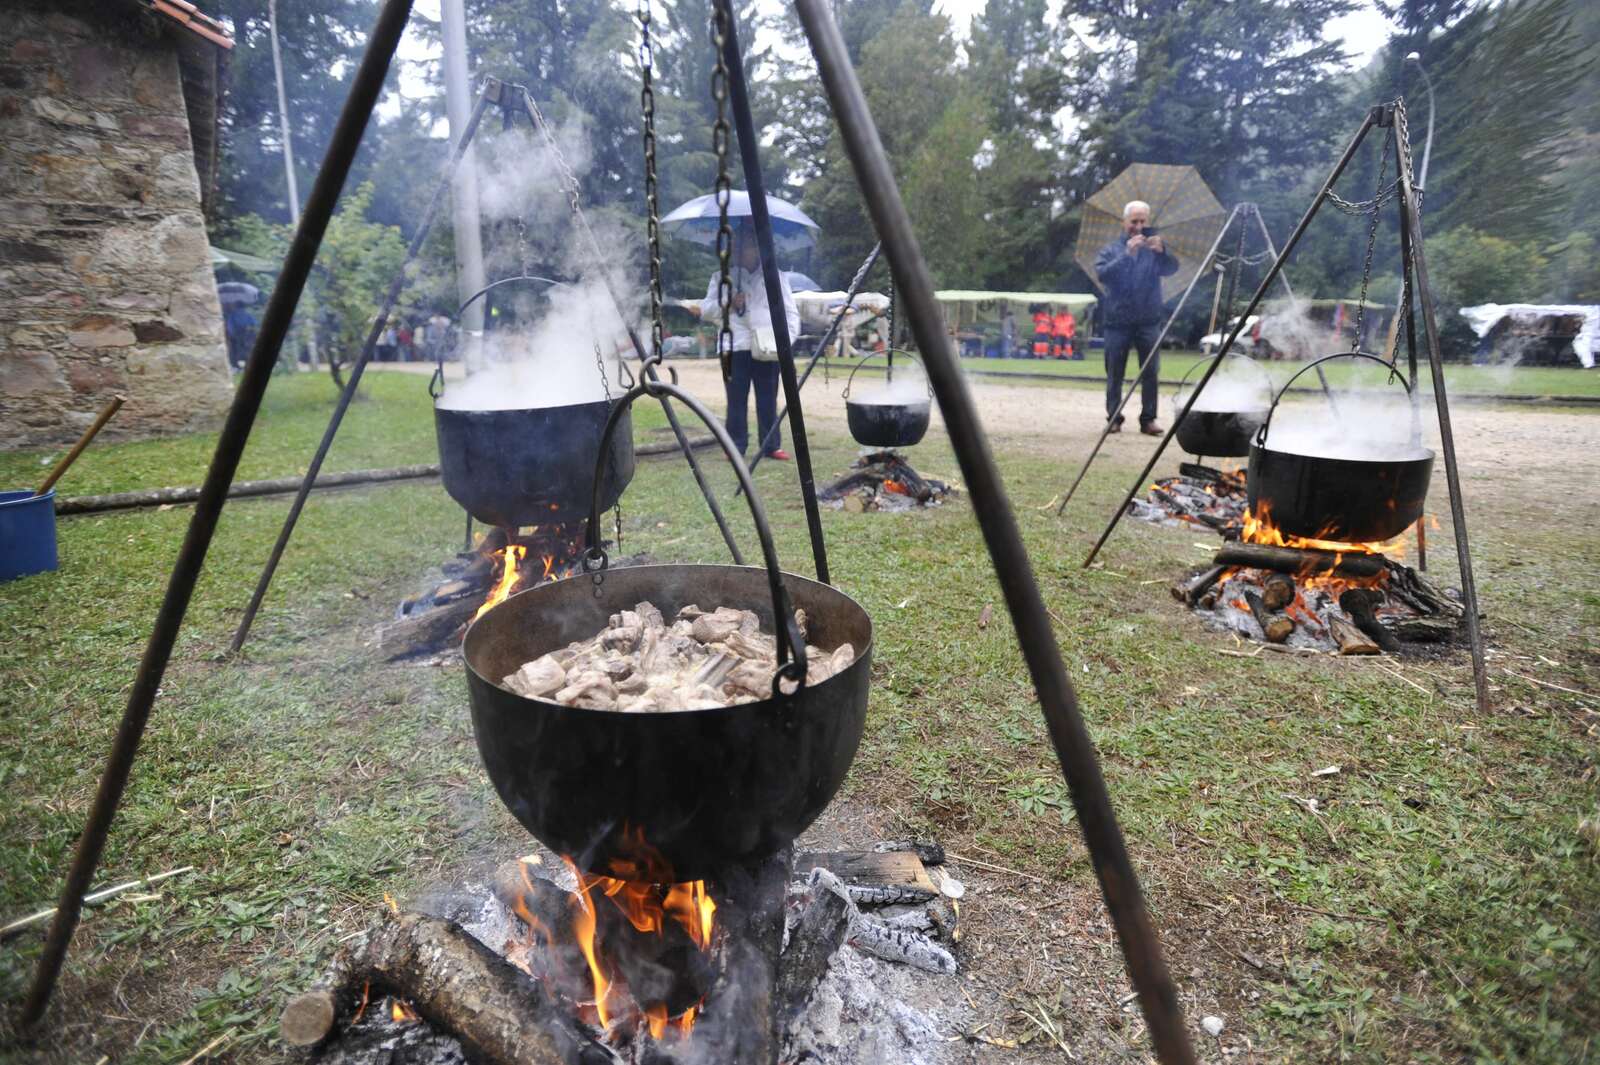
column 1063, row 326
column 1041, row 332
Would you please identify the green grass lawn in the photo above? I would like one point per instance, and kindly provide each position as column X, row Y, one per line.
column 1440, row 905
column 1467, row 380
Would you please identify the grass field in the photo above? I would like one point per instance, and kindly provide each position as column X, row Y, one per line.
column 1438, row 904
column 1467, row 380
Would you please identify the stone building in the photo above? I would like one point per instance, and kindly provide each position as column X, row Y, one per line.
column 107, row 151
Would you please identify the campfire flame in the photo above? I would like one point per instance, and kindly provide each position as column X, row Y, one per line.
column 509, row 557
column 400, row 1012
column 642, row 895
column 1259, row 528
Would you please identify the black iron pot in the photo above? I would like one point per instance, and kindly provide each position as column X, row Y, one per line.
column 528, row 466
column 1219, row 433
column 1342, row 499
column 693, row 790
column 702, row 787
column 887, row 424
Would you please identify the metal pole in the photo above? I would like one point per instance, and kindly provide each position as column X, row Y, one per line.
column 379, row 324
column 1412, row 220
column 599, row 264
column 1227, row 345
column 364, row 91
column 470, row 277
column 1150, row 363
column 827, row 338
column 750, row 156
column 288, row 155
column 1427, row 145
column 1074, row 748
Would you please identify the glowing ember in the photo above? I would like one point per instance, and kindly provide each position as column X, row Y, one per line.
column 400, row 1012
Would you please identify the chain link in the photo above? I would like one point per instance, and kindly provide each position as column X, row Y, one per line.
column 522, row 246
column 721, row 134
column 647, row 106
column 1372, row 239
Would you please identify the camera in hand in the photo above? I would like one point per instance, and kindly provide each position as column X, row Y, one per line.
column 1147, row 231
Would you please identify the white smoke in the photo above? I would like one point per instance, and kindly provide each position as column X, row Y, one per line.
column 1238, row 385
column 909, row 385
column 539, row 349
column 551, row 363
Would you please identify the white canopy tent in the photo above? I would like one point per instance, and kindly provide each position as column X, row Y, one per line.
column 1533, row 316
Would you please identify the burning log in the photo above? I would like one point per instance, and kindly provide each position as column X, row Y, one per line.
column 424, row 630
column 876, row 936
column 1277, row 591
column 1351, row 640
column 1191, row 588
column 1361, row 604
column 1300, row 560
column 498, row 1012
column 1275, row 627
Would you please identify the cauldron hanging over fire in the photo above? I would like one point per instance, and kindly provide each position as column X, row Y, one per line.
column 529, row 465
column 704, row 788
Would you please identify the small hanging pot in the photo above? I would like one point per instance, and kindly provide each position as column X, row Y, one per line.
column 1220, row 433
column 701, row 788
column 887, row 424
column 511, row 468
column 1338, row 498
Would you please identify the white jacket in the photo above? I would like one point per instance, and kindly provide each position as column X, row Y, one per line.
column 757, row 315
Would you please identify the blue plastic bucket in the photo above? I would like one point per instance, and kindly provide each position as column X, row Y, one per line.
column 27, row 533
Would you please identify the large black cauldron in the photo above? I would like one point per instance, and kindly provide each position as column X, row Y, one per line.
column 1220, row 433
column 887, row 424
column 704, row 787
column 529, row 466
column 700, row 788
column 1349, row 500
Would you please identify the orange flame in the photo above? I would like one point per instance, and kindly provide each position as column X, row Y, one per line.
column 508, row 578
column 400, row 1012
column 643, row 897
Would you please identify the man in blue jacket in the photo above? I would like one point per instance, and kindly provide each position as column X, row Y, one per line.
column 1130, row 269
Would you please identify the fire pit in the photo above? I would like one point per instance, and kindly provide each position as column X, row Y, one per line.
column 1319, row 595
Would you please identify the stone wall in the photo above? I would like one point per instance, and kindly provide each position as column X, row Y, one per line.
column 105, row 276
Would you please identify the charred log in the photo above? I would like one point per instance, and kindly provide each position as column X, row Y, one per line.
column 1275, row 627
column 1351, row 640
column 1361, row 604
column 1277, row 591
column 1193, row 587
column 819, row 931
column 1300, row 560
column 499, row 1013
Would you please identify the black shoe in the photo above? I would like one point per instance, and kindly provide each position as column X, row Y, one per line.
column 1116, row 426
column 1150, row 429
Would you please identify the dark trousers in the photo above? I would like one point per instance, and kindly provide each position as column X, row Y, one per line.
column 744, row 371
column 1142, row 338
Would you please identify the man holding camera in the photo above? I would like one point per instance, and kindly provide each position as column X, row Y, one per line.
column 1130, row 269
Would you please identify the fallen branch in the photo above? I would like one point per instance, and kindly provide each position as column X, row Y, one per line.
column 161, row 497
column 22, row 923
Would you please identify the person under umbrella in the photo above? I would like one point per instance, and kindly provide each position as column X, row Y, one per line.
column 755, row 351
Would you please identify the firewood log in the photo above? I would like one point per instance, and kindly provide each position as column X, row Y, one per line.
column 1191, row 588
column 1277, row 591
column 1351, row 640
column 1275, row 627
column 1299, row 560
column 499, row 1013
column 818, row 932
column 1360, row 604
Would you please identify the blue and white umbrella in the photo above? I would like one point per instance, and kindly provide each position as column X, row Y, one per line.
column 697, row 221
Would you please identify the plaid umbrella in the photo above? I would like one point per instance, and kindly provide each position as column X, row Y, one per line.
column 1182, row 210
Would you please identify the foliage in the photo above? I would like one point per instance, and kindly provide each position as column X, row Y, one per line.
column 1467, row 267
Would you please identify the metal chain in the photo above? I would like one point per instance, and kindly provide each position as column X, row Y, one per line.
column 605, row 384
column 721, row 134
column 1372, row 239
column 647, row 106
